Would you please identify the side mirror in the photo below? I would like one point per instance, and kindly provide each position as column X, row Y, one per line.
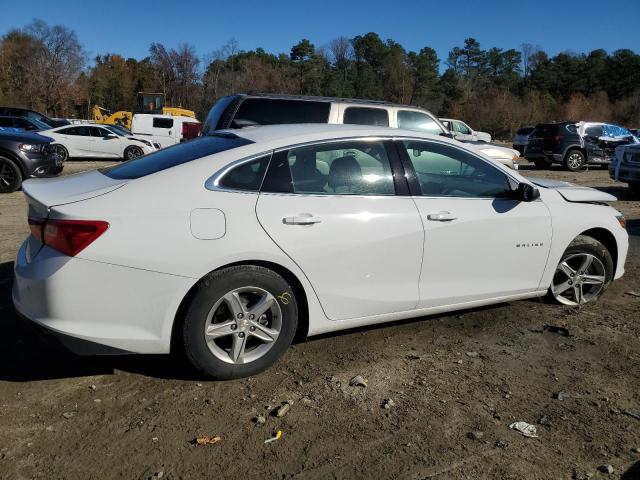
column 526, row 192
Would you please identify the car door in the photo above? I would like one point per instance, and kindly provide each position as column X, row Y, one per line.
column 593, row 144
column 480, row 243
column 332, row 208
column 463, row 132
column 106, row 143
column 78, row 141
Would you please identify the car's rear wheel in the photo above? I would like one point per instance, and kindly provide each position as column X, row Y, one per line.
column 10, row 176
column 240, row 322
column 583, row 274
column 61, row 152
column 574, row 160
column 132, row 152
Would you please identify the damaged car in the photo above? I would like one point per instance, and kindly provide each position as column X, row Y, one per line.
column 625, row 166
column 575, row 144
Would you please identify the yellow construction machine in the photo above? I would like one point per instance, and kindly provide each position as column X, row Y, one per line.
column 152, row 103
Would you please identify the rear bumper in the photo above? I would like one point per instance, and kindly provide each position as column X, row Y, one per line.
column 93, row 307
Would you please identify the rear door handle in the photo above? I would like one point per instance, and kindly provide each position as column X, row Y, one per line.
column 303, row 219
column 441, row 217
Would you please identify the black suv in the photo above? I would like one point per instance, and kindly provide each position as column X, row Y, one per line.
column 24, row 155
column 32, row 115
column 575, row 144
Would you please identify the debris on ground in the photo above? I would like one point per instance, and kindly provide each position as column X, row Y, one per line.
column 274, row 439
column 544, row 420
column 93, row 387
column 283, row 409
column 501, row 444
column 525, row 429
column 388, row 403
column 565, row 395
column 412, row 357
column 555, row 329
column 472, row 354
column 631, row 414
column 475, row 435
column 635, row 450
column 358, row 381
column 606, row 469
column 633, row 294
column 206, row 440
column 260, row 419
column 68, row 414
column 159, row 474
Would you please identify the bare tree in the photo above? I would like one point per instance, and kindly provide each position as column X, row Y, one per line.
column 528, row 52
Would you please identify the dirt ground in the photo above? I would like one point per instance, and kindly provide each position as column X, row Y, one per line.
column 456, row 381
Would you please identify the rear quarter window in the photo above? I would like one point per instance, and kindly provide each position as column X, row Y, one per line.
column 162, row 122
column 366, row 116
column 270, row 111
column 174, row 156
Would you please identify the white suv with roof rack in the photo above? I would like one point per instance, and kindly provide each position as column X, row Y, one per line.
column 246, row 110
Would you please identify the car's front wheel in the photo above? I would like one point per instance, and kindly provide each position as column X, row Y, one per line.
column 132, row 152
column 61, row 152
column 240, row 322
column 10, row 176
column 574, row 160
column 583, row 274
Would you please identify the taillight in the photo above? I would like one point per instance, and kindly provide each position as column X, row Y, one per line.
column 67, row 236
column 557, row 138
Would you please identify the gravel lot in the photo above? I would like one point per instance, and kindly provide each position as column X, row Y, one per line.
column 456, row 382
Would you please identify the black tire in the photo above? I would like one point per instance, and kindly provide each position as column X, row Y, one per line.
column 132, row 152
column 10, row 176
column 634, row 186
column 61, row 151
column 541, row 164
column 574, row 160
column 210, row 290
column 585, row 244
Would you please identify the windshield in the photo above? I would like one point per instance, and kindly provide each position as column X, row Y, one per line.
column 175, row 155
column 40, row 120
column 120, row 131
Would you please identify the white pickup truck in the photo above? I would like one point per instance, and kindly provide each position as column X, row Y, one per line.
column 166, row 130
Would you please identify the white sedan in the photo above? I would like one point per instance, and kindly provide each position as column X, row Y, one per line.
column 228, row 246
column 99, row 141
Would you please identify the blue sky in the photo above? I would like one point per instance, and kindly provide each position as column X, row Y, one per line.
column 128, row 28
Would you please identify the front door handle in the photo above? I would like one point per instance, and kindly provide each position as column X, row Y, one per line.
column 441, row 217
column 303, row 219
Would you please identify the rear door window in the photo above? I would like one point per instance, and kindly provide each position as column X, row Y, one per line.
column 418, row 122
column 175, row 155
column 6, row 122
column 270, row 111
column 162, row 122
column 366, row 116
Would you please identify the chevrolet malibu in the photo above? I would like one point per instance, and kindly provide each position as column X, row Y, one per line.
column 229, row 246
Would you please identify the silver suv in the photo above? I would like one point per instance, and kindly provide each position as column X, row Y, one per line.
column 245, row 110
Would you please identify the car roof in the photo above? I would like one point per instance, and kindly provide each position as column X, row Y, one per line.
column 291, row 134
column 310, row 98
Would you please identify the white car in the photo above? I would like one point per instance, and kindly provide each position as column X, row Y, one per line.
column 230, row 245
column 98, row 141
column 463, row 132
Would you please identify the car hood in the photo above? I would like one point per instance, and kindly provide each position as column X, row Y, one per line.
column 24, row 137
column 572, row 192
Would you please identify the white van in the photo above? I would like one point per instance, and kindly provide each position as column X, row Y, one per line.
column 166, row 130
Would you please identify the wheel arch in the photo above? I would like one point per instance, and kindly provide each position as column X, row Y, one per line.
column 11, row 156
column 301, row 296
column 575, row 147
column 607, row 238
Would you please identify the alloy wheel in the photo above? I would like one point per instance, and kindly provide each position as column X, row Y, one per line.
column 575, row 161
column 7, row 175
column 579, row 278
column 133, row 152
column 243, row 325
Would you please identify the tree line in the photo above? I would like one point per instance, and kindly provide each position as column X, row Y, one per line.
column 497, row 90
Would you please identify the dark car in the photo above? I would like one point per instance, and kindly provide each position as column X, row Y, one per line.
column 575, row 144
column 32, row 115
column 521, row 139
column 25, row 155
column 625, row 166
column 22, row 123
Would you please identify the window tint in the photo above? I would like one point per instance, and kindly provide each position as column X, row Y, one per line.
column 162, row 122
column 98, row 132
column 175, row 155
column 446, row 171
column 6, row 122
column 247, row 176
column 366, row 116
column 25, row 124
column 269, row 111
column 418, row 122
column 80, row 131
column 342, row 168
